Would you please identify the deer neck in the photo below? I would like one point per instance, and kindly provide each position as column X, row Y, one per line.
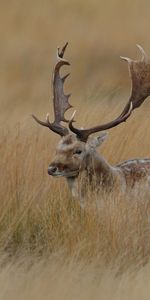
column 99, row 169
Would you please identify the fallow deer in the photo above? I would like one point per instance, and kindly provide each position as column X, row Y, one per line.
column 76, row 157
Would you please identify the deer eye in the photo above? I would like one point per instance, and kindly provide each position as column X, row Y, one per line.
column 77, row 151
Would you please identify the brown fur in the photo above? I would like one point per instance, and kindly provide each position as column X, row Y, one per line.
column 137, row 170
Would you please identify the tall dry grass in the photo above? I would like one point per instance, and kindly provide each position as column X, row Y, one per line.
column 54, row 280
column 38, row 215
column 49, row 247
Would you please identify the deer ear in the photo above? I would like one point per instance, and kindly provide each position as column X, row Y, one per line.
column 97, row 141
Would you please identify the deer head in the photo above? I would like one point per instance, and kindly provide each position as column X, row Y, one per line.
column 73, row 156
column 76, row 147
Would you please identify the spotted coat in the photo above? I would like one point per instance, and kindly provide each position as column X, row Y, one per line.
column 136, row 170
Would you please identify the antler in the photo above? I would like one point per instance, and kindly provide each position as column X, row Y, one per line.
column 60, row 100
column 140, row 77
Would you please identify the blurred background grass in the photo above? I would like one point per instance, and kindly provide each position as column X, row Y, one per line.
column 98, row 33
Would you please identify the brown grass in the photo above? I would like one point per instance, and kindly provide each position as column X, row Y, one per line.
column 41, row 224
column 54, row 280
column 51, row 248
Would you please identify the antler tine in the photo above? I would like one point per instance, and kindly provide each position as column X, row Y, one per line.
column 39, row 121
column 56, row 129
column 145, row 57
column 60, row 100
column 61, row 54
column 140, row 76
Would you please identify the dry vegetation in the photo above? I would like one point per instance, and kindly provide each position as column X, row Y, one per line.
column 50, row 247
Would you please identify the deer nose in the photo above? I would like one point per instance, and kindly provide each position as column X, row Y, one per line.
column 52, row 170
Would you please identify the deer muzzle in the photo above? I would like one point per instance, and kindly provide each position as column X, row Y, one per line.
column 64, row 171
column 52, row 170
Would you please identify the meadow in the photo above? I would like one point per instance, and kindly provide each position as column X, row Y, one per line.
column 50, row 248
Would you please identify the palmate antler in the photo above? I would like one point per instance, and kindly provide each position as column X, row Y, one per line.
column 140, row 77
column 60, row 100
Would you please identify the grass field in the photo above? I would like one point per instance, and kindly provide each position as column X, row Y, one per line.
column 51, row 248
